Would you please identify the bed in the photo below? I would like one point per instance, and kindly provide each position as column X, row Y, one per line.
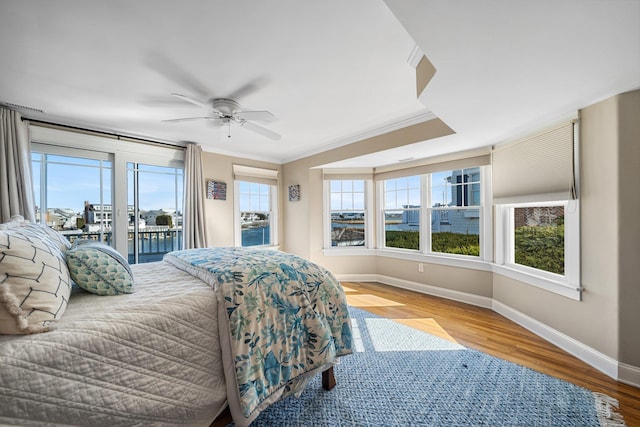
column 188, row 336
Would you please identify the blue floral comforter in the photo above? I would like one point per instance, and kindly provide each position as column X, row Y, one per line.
column 285, row 318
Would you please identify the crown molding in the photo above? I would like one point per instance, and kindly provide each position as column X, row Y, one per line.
column 391, row 126
column 415, row 56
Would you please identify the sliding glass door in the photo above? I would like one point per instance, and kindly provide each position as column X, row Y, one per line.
column 73, row 193
column 125, row 193
column 154, row 209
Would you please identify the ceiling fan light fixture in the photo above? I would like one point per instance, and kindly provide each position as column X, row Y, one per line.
column 224, row 111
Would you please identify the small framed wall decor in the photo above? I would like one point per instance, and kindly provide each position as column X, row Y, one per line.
column 216, row 190
column 294, row 193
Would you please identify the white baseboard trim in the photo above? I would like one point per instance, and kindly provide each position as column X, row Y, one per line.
column 601, row 362
column 622, row 372
column 436, row 291
column 357, row 277
column 629, row 374
column 418, row 287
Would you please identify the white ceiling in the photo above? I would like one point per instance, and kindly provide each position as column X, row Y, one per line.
column 331, row 71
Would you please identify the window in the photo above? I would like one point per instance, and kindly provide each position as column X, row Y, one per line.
column 256, row 214
column 256, row 206
column 541, row 244
column 536, row 185
column 401, row 212
column 538, row 237
column 455, row 212
column 451, row 200
column 347, row 212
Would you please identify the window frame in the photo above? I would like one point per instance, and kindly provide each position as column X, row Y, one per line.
column 382, row 209
column 273, row 215
column 123, row 150
column 369, row 223
column 568, row 284
column 50, row 150
column 482, row 202
column 425, row 254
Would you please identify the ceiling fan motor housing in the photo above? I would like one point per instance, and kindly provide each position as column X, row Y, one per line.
column 225, row 106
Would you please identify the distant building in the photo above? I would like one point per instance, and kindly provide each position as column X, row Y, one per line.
column 465, row 191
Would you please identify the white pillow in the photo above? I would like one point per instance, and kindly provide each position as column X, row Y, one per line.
column 34, row 279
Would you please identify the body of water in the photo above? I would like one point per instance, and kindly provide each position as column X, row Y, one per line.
column 256, row 236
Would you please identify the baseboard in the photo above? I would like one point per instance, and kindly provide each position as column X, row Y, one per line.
column 601, row 362
column 629, row 374
column 357, row 277
column 622, row 372
column 418, row 287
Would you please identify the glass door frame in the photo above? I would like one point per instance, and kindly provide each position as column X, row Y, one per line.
column 123, row 150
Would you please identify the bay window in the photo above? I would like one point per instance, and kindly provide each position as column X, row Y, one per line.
column 455, row 212
column 347, row 212
column 402, row 211
column 437, row 213
column 537, row 210
column 539, row 243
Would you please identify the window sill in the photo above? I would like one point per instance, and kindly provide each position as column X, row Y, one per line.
column 453, row 261
column 557, row 286
column 349, row 251
column 263, row 247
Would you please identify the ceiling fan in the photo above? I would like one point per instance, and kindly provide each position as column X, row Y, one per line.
column 225, row 112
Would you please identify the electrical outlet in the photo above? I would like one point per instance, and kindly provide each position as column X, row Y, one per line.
column 420, row 267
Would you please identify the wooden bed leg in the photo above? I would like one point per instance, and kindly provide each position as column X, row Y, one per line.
column 328, row 379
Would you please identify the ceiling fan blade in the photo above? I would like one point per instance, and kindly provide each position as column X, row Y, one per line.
column 261, row 116
column 259, row 129
column 173, row 72
column 247, row 88
column 186, row 119
column 161, row 101
column 192, row 101
column 218, row 121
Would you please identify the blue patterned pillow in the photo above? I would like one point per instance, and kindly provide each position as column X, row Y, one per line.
column 99, row 269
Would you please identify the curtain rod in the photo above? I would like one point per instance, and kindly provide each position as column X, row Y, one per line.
column 100, row 133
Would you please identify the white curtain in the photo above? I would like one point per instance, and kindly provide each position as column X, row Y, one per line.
column 194, row 222
column 16, row 188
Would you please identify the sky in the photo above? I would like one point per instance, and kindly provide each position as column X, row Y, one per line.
column 70, row 181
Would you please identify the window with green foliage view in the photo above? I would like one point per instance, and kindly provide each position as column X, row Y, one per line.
column 455, row 212
column 402, row 206
column 451, row 201
column 539, row 237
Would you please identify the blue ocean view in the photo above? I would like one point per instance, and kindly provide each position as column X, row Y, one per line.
column 256, row 236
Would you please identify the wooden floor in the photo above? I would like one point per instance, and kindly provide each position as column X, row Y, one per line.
column 486, row 331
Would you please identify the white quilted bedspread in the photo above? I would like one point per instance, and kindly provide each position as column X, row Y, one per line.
column 147, row 358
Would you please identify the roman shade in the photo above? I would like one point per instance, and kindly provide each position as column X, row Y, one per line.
column 253, row 174
column 340, row 174
column 433, row 164
column 537, row 169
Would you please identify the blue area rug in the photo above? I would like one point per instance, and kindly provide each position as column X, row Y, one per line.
column 400, row 376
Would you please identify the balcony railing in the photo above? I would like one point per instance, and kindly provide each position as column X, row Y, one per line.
column 152, row 244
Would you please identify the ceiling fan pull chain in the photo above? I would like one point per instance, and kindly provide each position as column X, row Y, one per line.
column 229, row 127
